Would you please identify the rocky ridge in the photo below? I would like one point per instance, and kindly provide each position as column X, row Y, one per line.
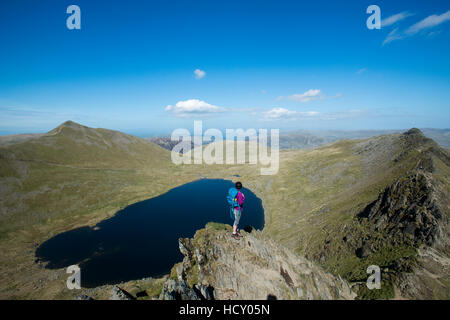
column 216, row 266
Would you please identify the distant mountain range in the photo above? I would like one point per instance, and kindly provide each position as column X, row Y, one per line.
column 305, row 139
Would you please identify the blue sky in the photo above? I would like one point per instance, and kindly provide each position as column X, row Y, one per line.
column 260, row 64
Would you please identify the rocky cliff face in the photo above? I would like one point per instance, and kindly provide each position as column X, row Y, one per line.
column 414, row 210
column 413, row 213
column 216, row 266
column 408, row 212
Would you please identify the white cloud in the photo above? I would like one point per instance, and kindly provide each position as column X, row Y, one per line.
column 434, row 33
column 362, row 70
column 348, row 114
column 393, row 35
column 199, row 74
column 428, row 22
column 310, row 95
column 278, row 113
column 193, row 107
column 282, row 113
column 309, row 113
column 395, row 18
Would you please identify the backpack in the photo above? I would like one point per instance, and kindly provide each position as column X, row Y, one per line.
column 232, row 200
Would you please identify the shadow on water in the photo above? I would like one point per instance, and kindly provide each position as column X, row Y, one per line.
column 142, row 239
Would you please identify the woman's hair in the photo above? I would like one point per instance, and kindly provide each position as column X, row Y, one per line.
column 238, row 185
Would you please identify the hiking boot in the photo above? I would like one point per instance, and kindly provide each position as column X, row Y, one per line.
column 239, row 234
column 235, row 236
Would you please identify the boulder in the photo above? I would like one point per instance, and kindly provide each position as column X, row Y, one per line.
column 120, row 294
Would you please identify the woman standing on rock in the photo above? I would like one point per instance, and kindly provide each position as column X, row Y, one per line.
column 236, row 201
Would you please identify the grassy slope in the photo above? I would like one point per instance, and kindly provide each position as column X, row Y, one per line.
column 74, row 170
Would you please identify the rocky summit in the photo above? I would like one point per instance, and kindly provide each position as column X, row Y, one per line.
column 216, row 266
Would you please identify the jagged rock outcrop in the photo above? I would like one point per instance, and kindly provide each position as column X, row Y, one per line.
column 407, row 211
column 429, row 279
column 83, row 297
column 178, row 290
column 120, row 294
column 252, row 268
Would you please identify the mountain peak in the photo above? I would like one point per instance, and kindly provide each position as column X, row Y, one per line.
column 414, row 138
column 414, row 131
column 68, row 124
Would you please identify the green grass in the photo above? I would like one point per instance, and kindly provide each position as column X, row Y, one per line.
column 218, row 226
column 386, row 291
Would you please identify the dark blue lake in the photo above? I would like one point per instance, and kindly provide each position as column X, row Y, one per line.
column 142, row 239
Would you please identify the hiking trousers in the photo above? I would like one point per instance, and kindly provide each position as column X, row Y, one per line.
column 237, row 216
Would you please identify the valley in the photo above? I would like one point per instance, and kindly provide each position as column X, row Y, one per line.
column 343, row 206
